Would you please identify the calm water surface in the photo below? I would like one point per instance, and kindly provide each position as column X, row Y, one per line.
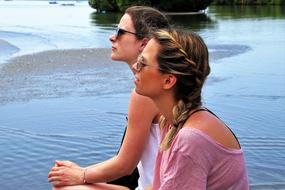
column 80, row 115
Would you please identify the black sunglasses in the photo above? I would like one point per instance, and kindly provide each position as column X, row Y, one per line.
column 120, row 32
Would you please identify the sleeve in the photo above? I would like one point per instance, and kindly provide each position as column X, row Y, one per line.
column 183, row 173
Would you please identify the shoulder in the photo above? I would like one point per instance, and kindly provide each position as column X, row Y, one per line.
column 212, row 128
column 190, row 139
column 142, row 108
column 139, row 99
column 142, row 103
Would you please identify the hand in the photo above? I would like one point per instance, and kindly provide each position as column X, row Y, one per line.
column 148, row 188
column 66, row 173
column 66, row 163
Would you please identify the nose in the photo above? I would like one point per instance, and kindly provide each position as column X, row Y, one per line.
column 134, row 67
column 112, row 38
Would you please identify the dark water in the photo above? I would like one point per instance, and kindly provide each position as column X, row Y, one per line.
column 80, row 114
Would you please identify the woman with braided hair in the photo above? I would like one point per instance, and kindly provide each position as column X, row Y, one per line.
column 197, row 151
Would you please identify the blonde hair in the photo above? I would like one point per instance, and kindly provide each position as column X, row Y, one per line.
column 185, row 55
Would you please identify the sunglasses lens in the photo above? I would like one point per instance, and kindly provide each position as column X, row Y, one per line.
column 120, row 32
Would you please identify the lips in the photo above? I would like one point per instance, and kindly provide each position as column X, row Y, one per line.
column 136, row 80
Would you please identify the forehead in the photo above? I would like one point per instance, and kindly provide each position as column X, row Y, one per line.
column 126, row 22
column 151, row 50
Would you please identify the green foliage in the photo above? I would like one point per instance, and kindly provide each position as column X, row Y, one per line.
column 124, row 4
column 165, row 5
column 105, row 20
column 249, row 2
column 182, row 5
column 103, row 5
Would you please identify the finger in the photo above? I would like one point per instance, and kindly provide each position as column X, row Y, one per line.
column 57, row 183
column 57, row 168
column 52, row 179
column 64, row 163
column 56, row 173
column 58, row 162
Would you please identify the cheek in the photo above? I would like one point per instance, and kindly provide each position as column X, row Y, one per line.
column 151, row 82
column 129, row 50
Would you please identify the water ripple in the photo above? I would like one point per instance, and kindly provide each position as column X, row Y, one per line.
column 269, row 186
column 262, row 142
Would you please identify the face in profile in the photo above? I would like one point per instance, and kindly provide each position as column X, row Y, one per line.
column 148, row 78
column 125, row 45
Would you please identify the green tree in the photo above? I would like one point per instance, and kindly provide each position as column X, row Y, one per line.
column 164, row 5
column 103, row 5
column 182, row 5
column 124, row 4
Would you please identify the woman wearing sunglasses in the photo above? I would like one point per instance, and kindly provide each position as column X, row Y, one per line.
column 198, row 151
column 140, row 144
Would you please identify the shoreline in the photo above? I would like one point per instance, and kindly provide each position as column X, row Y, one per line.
column 7, row 49
column 87, row 56
column 59, row 73
column 79, row 72
column 51, row 61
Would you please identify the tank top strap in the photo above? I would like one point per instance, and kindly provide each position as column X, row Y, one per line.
column 206, row 109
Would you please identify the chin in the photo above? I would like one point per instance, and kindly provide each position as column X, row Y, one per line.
column 138, row 92
column 113, row 57
column 141, row 93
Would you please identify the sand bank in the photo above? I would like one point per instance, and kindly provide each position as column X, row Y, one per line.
column 82, row 72
column 49, row 62
column 59, row 73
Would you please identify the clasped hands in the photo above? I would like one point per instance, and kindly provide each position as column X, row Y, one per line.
column 65, row 173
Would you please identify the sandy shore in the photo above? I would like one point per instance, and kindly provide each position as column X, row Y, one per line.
column 59, row 73
column 79, row 59
column 83, row 72
column 56, row 61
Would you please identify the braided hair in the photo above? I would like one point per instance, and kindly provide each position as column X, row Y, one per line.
column 185, row 55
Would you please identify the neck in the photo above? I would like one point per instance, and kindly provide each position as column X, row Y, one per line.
column 131, row 63
column 165, row 105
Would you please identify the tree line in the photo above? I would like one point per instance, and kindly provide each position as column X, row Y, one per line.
column 174, row 5
column 249, row 2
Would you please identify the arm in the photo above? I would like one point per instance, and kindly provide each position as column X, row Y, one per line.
column 141, row 113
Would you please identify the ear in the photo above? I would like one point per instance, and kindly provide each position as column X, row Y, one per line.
column 144, row 42
column 169, row 81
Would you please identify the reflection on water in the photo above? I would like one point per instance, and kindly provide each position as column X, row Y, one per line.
column 189, row 21
column 194, row 22
column 258, row 12
column 105, row 19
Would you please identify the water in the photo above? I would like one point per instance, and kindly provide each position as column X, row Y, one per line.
column 67, row 111
column 38, row 25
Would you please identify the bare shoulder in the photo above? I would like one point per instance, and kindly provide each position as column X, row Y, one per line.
column 142, row 108
column 139, row 99
column 213, row 127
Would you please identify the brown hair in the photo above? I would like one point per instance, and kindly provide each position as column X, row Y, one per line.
column 185, row 55
column 146, row 20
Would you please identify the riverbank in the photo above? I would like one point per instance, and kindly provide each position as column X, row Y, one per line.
column 61, row 73
column 81, row 72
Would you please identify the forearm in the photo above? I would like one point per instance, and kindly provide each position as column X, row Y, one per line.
column 132, row 148
column 108, row 170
